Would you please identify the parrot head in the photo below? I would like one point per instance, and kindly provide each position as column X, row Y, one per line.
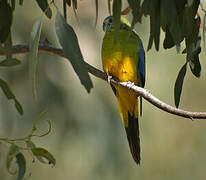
column 107, row 24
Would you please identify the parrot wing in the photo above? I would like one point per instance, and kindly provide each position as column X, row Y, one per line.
column 141, row 71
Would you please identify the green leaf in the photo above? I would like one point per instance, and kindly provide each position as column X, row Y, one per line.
column 97, row 8
column 43, row 4
column 154, row 24
column 168, row 41
column 21, row 162
column 65, row 9
column 13, row 151
column 74, row 3
column 168, row 10
column 155, row 32
column 179, row 84
column 195, row 65
column 69, row 2
column 19, row 107
column 33, row 52
column 10, row 62
column 176, row 31
column 69, row 42
column 21, row 2
column 136, row 11
column 203, row 30
column 116, row 8
column 146, row 7
column 109, row 6
column 189, row 2
column 8, row 47
column 184, row 51
column 5, row 88
column 31, row 145
column 5, row 20
column 13, row 4
column 41, row 152
column 193, row 49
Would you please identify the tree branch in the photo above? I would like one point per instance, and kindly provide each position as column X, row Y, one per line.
column 21, row 49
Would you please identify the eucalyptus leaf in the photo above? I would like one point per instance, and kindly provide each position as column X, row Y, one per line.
column 109, row 6
column 154, row 24
column 189, row 2
column 116, row 9
column 203, row 30
column 65, row 9
column 168, row 41
column 68, row 2
column 13, row 151
column 74, row 3
column 31, row 145
column 13, row 4
column 179, row 84
column 146, row 10
column 10, row 62
column 136, row 11
column 157, row 30
column 43, row 4
column 6, row 15
column 43, row 153
column 21, row 2
column 97, row 11
column 21, row 162
column 193, row 49
column 69, row 42
column 184, row 51
column 33, row 52
column 8, row 47
column 195, row 65
column 9, row 94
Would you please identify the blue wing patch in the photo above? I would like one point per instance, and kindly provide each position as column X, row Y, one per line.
column 141, row 66
column 141, row 71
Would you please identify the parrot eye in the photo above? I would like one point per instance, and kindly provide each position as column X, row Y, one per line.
column 110, row 20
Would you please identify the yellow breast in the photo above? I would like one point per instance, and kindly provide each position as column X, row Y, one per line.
column 121, row 67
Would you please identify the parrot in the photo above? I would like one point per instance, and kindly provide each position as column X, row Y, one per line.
column 124, row 60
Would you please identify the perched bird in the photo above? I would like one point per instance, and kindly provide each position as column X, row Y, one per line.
column 124, row 60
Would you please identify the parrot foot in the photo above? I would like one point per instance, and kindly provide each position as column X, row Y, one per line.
column 109, row 79
column 130, row 84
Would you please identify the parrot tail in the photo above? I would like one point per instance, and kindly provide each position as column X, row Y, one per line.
column 133, row 137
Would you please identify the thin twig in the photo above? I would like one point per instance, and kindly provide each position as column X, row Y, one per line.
column 21, row 49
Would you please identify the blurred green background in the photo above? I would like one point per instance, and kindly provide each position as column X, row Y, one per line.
column 88, row 138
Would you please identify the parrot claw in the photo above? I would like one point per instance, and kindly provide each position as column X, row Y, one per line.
column 109, row 79
column 130, row 84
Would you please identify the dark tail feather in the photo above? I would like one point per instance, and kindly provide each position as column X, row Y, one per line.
column 133, row 137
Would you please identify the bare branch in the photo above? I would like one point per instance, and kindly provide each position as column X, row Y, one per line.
column 21, row 49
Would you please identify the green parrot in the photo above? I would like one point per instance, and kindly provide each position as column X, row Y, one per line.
column 124, row 60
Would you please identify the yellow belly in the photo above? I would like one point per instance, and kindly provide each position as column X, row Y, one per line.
column 123, row 68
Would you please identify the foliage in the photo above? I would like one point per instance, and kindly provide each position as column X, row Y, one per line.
column 177, row 18
column 16, row 151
